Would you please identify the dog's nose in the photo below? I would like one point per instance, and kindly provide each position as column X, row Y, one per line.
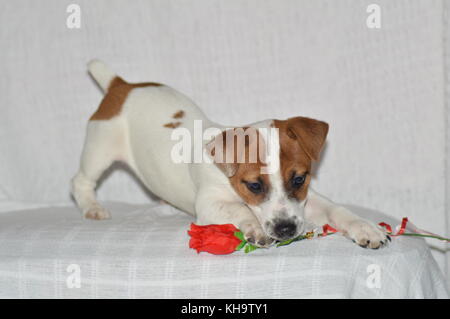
column 285, row 229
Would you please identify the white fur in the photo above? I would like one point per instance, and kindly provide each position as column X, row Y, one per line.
column 101, row 73
column 138, row 137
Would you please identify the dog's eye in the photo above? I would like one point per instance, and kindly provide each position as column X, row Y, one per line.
column 254, row 187
column 298, row 181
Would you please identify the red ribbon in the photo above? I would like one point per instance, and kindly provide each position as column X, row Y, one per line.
column 327, row 228
column 400, row 231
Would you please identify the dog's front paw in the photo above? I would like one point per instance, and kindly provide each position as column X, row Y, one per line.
column 255, row 235
column 97, row 213
column 366, row 234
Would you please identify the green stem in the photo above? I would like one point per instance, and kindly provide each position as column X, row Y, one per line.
column 427, row 236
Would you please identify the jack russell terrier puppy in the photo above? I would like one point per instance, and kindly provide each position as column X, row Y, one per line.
column 134, row 124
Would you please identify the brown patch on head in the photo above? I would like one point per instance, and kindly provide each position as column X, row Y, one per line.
column 240, row 161
column 301, row 140
column 113, row 100
column 178, row 115
column 172, row 125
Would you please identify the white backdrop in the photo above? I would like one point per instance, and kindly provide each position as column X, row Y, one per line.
column 383, row 91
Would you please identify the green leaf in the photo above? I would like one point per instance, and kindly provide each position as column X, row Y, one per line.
column 242, row 244
column 239, row 235
column 249, row 248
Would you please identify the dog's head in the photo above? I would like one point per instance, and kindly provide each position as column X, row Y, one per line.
column 268, row 165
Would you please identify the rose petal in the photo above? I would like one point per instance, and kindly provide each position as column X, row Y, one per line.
column 215, row 239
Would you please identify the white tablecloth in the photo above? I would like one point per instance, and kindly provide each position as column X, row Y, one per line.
column 143, row 252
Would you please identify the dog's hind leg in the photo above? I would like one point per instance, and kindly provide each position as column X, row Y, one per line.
column 105, row 143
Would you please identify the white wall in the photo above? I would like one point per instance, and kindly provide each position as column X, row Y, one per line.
column 382, row 91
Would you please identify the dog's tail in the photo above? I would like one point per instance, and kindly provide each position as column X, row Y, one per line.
column 101, row 73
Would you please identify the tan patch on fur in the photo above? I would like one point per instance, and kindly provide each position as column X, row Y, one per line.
column 178, row 115
column 301, row 140
column 113, row 100
column 172, row 125
column 243, row 167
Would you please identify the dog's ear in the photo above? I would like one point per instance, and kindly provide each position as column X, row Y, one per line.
column 309, row 133
column 218, row 148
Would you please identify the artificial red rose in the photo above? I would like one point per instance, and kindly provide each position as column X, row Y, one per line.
column 214, row 239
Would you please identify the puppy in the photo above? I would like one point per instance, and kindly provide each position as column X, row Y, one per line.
column 266, row 199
